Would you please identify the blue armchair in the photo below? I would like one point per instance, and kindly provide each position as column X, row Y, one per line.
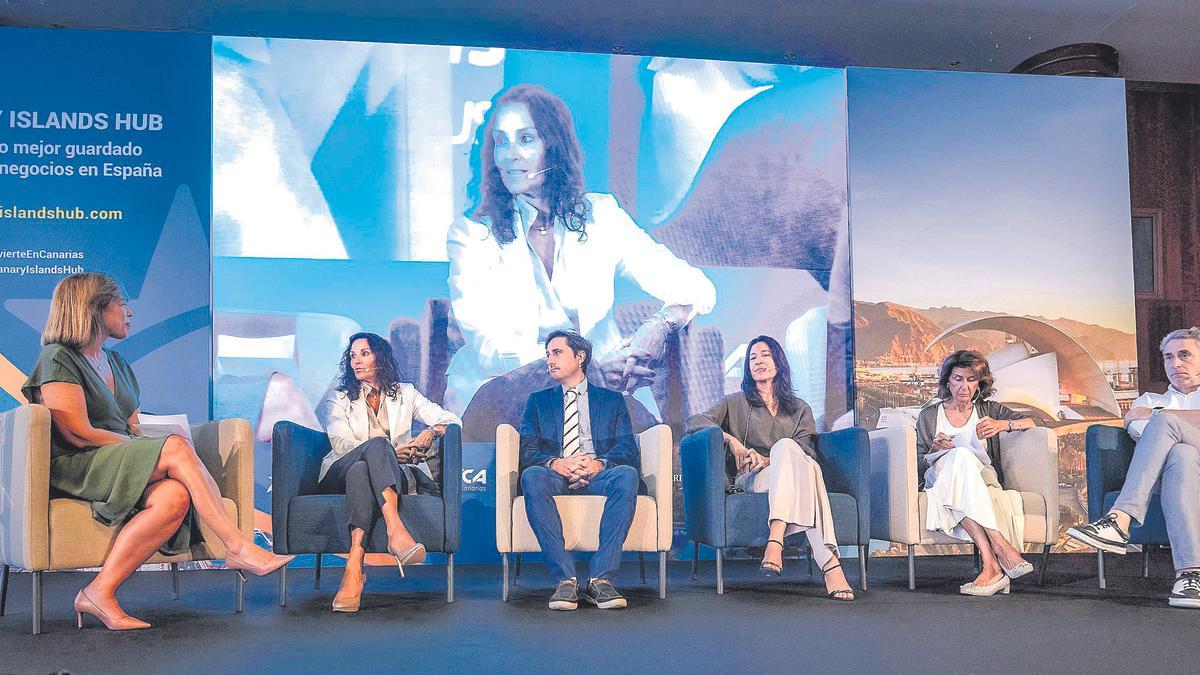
column 719, row 520
column 1109, row 451
column 306, row 521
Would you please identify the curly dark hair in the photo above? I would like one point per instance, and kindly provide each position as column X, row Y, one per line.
column 386, row 373
column 967, row 358
column 789, row 403
column 562, row 183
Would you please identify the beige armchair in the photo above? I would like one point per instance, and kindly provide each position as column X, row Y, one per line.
column 40, row 534
column 1030, row 461
column 652, row 519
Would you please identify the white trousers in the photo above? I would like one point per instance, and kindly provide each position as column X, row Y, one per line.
column 796, row 492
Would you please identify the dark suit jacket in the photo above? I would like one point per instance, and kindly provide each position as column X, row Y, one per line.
column 612, row 434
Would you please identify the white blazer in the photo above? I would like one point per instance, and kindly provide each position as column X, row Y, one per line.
column 348, row 427
column 497, row 291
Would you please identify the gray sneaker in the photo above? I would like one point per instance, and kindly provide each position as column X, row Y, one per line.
column 1186, row 592
column 566, row 596
column 1102, row 534
column 600, row 592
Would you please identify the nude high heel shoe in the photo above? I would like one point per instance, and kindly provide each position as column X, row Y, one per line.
column 349, row 605
column 241, row 566
column 412, row 555
column 84, row 605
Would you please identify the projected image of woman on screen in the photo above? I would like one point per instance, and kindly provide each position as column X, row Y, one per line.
column 538, row 254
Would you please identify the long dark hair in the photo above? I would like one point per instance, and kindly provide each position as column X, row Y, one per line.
column 386, row 373
column 789, row 403
column 967, row 358
column 562, row 183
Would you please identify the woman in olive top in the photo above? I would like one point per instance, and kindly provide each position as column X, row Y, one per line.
column 153, row 488
column 769, row 434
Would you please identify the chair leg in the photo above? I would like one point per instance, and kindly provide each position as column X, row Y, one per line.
column 807, row 554
column 862, row 567
column 283, row 587
column 1045, row 564
column 642, row 566
column 1100, row 568
column 720, row 572
column 174, row 581
column 37, row 603
column 239, row 594
column 976, row 558
column 912, row 567
column 695, row 560
column 504, row 581
column 662, row 575
column 449, row 577
column 3, row 589
column 317, row 574
column 1146, row 561
column 517, row 576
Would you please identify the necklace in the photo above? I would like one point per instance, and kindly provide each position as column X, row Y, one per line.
column 98, row 361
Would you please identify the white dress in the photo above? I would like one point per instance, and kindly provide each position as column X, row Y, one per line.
column 961, row 483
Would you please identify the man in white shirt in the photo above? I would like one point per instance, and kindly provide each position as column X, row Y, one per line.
column 1167, row 456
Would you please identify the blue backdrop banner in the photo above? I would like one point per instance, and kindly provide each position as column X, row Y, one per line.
column 105, row 147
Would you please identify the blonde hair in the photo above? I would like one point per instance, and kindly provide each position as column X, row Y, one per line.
column 77, row 307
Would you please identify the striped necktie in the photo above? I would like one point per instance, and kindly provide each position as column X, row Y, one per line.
column 571, row 423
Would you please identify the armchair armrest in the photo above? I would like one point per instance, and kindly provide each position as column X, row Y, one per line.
column 508, row 447
column 657, row 469
column 845, row 459
column 451, row 452
column 1030, row 461
column 25, row 487
column 296, row 453
column 894, row 485
column 1109, row 450
column 226, row 448
column 702, row 459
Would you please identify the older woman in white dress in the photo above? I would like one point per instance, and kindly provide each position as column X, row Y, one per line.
column 958, row 450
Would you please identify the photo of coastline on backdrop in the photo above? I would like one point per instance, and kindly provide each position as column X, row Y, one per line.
column 1015, row 243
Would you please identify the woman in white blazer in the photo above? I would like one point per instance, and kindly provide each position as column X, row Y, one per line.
column 374, row 459
column 540, row 254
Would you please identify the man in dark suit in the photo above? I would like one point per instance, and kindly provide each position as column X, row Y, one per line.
column 576, row 438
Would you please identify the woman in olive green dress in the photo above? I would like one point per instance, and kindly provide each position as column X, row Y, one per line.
column 153, row 487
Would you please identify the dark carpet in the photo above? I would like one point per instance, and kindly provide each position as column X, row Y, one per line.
column 773, row 625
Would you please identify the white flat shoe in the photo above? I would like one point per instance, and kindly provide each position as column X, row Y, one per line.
column 1019, row 571
column 1000, row 585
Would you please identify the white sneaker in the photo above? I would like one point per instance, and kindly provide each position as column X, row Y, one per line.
column 1103, row 534
column 1186, row 591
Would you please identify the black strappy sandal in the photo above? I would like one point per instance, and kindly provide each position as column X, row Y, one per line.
column 770, row 568
column 841, row 594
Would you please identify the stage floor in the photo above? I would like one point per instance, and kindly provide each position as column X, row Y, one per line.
column 773, row 624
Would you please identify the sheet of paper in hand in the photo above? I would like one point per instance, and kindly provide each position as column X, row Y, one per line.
column 160, row 426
